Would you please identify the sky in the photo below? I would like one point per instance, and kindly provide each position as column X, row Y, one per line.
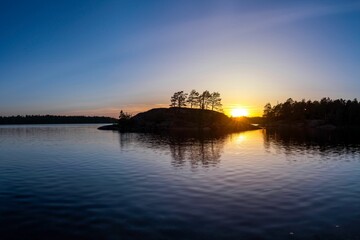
column 97, row 57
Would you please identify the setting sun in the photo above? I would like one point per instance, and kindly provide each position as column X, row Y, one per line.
column 239, row 112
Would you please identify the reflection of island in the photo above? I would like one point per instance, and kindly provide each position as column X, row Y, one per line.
column 202, row 151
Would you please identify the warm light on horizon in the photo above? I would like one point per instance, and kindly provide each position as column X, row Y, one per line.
column 239, row 112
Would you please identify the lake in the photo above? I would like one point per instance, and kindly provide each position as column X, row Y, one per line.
column 77, row 182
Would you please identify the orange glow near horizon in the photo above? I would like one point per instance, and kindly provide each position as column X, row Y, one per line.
column 231, row 110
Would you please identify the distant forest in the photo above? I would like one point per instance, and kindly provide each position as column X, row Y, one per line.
column 337, row 112
column 52, row 119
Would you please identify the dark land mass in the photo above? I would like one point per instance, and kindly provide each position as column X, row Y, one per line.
column 326, row 114
column 51, row 119
column 181, row 120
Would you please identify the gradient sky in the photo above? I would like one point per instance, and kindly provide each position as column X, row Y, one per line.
column 97, row 57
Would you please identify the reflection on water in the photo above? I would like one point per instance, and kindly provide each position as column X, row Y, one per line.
column 197, row 151
column 312, row 141
column 76, row 182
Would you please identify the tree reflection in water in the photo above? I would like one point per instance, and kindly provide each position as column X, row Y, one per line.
column 198, row 150
column 292, row 140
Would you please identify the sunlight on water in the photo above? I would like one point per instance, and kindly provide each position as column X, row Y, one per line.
column 80, row 182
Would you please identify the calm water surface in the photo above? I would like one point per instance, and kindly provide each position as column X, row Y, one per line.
column 76, row 182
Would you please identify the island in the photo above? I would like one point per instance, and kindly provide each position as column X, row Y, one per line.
column 188, row 113
column 177, row 119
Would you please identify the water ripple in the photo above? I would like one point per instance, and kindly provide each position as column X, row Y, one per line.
column 75, row 182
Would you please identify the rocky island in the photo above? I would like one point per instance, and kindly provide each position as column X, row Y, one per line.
column 177, row 119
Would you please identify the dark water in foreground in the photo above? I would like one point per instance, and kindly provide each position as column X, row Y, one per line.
column 76, row 182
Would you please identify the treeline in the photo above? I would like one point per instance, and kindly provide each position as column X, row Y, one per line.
column 337, row 112
column 194, row 99
column 52, row 119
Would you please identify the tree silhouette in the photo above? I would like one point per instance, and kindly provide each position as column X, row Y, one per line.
column 215, row 101
column 204, row 99
column 178, row 99
column 124, row 115
column 125, row 121
column 193, row 98
column 337, row 112
column 268, row 113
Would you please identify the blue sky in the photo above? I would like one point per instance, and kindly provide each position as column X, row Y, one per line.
column 97, row 57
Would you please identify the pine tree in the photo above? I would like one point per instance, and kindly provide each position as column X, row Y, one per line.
column 215, row 101
column 178, row 99
column 193, row 98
